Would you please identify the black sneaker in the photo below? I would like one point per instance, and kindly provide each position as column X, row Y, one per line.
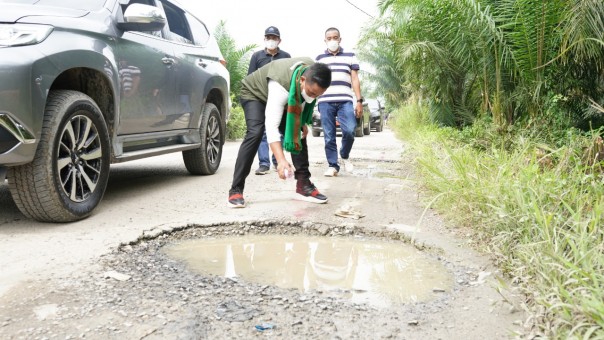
column 236, row 200
column 309, row 193
column 263, row 170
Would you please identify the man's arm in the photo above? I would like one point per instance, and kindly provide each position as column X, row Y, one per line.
column 275, row 105
column 356, row 87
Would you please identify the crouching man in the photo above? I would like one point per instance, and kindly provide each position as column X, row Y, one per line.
column 280, row 97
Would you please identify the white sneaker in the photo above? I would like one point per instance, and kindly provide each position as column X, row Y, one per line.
column 348, row 165
column 331, row 172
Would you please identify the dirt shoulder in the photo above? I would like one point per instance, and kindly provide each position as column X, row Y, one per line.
column 107, row 277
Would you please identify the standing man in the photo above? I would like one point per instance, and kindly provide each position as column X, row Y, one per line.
column 338, row 101
column 289, row 85
column 272, row 39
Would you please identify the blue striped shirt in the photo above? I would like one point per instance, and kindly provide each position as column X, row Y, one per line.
column 342, row 64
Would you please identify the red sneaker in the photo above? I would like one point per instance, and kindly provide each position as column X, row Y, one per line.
column 309, row 193
column 236, row 200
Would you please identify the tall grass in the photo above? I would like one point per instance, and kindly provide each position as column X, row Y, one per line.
column 537, row 207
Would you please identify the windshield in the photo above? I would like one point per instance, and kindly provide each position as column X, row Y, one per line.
column 373, row 104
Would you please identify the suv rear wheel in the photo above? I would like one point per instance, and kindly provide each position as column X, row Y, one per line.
column 380, row 126
column 206, row 159
column 69, row 173
column 367, row 128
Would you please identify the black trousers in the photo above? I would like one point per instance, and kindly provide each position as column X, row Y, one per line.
column 254, row 120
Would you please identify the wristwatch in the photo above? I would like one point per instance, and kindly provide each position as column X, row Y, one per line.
column 360, row 100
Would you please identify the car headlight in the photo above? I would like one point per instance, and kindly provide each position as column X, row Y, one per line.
column 23, row 34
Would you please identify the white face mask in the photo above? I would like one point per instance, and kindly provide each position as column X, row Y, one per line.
column 333, row 45
column 306, row 97
column 271, row 44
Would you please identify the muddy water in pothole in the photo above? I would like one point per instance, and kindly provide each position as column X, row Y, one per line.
column 378, row 273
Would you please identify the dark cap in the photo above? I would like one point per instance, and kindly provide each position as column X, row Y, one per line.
column 272, row 30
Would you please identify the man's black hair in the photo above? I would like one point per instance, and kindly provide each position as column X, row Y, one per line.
column 332, row 29
column 318, row 73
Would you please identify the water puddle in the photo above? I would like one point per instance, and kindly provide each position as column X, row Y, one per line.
column 375, row 172
column 378, row 273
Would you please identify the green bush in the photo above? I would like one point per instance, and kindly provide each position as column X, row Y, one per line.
column 236, row 125
column 535, row 199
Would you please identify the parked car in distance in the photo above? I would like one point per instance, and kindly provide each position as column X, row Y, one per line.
column 363, row 123
column 90, row 83
column 377, row 114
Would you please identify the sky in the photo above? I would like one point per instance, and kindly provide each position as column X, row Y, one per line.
column 302, row 23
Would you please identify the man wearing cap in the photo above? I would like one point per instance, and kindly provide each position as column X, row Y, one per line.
column 271, row 52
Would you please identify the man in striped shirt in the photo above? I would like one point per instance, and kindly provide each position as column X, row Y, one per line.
column 337, row 101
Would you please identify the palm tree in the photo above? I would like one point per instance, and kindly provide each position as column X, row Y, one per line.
column 237, row 59
column 378, row 50
column 508, row 58
column 581, row 66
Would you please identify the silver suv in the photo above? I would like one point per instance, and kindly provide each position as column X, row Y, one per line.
column 86, row 83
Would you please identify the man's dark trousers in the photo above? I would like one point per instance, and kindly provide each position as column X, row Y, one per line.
column 254, row 119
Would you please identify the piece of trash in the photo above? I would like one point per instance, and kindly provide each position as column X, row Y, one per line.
column 413, row 322
column 115, row 275
column 348, row 212
column 482, row 276
column 264, row 326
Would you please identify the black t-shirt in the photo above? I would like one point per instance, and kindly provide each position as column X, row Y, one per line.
column 261, row 58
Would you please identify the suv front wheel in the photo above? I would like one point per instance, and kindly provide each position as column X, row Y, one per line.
column 205, row 160
column 67, row 178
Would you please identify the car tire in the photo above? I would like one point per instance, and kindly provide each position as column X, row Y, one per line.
column 69, row 173
column 205, row 160
column 380, row 126
column 367, row 130
column 316, row 133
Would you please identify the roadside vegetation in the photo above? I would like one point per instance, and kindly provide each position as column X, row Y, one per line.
column 502, row 104
column 536, row 207
column 237, row 62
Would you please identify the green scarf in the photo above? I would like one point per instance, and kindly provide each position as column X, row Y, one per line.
column 292, row 141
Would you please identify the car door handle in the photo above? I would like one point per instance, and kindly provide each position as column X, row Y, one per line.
column 167, row 60
column 201, row 63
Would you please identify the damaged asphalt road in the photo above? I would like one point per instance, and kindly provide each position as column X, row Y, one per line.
column 107, row 278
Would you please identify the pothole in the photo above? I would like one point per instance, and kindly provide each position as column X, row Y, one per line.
column 368, row 271
column 138, row 291
column 382, row 267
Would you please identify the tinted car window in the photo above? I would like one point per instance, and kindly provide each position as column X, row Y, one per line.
column 199, row 31
column 179, row 28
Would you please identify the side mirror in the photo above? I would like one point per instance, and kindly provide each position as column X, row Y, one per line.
column 139, row 17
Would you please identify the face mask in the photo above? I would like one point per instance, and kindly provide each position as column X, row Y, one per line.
column 333, row 45
column 306, row 97
column 271, row 44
